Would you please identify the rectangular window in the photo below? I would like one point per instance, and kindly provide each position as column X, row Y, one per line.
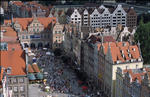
column 14, row 80
column 27, row 37
column 37, row 30
column 22, row 36
column 22, row 89
column 33, row 30
column 15, row 89
column 21, row 80
column 22, row 95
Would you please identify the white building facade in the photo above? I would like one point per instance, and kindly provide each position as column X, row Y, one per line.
column 100, row 17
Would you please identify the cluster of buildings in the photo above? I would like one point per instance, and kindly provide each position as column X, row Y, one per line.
column 100, row 41
column 28, row 9
column 13, row 67
column 103, row 16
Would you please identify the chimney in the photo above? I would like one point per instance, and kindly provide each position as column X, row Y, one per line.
column 1, row 34
column 1, row 16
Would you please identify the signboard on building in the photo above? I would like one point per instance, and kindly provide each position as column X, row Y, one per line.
column 35, row 36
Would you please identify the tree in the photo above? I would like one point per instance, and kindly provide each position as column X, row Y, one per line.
column 145, row 17
column 143, row 35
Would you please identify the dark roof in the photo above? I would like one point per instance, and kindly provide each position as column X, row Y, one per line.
column 90, row 10
column 100, row 10
column 69, row 11
column 93, row 39
column 81, row 10
column 109, row 39
column 111, row 10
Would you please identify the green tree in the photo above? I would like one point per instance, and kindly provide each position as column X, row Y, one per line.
column 143, row 35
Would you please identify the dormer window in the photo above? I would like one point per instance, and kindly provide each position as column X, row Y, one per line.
column 9, row 70
column 3, row 46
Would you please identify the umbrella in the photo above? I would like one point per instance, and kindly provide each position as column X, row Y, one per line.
column 39, row 76
column 31, row 76
column 84, row 87
column 48, row 53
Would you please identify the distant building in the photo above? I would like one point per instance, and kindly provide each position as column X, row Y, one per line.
column 102, row 16
column 145, row 91
column 34, row 32
column 13, row 58
column 129, row 82
column 28, row 9
column 58, row 35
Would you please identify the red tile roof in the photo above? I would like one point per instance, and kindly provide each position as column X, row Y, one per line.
column 14, row 59
column 30, row 69
column 117, row 48
column 18, row 3
column 136, row 75
column 35, row 68
column 24, row 22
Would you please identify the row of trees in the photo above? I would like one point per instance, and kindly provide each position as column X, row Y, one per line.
column 143, row 36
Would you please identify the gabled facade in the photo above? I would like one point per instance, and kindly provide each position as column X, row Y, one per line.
column 122, row 55
column 119, row 16
column 95, row 19
column 106, row 18
column 34, row 32
column 103, row 17
column 76, row 17
column 86, row 18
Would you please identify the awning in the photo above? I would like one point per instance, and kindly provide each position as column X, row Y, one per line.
column 39, row 76
column 31, row 76
column 44, row 48
column 48, row 53
column 84, row 87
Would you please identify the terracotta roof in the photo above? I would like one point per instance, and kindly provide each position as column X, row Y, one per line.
column 9, row 35
column 18, row 3
column 136, row 73
column 35, row 68
column 14, row 59
column 30, row 69
column 24, row 22
column 1, row 74
column 118, row 47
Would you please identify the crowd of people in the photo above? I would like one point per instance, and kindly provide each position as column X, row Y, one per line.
column 56, row 75
column 56, row 79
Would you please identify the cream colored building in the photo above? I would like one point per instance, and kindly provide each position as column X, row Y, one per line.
column 124, row 56
column 58, row 35
column 34, row 32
